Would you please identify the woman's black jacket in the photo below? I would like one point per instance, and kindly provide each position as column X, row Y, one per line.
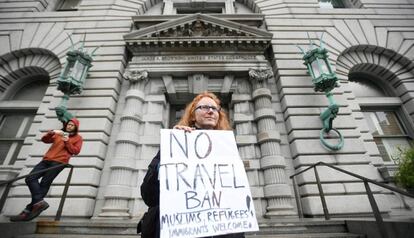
column 150, row 193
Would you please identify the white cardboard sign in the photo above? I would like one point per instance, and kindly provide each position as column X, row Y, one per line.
column 204, row 189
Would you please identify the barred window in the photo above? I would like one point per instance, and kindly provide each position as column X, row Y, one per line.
column 16, row 116
column 388, row 133
column 385, row 120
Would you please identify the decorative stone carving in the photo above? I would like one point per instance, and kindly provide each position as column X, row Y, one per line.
column 135, row 76
column 260, row 75
column 199, row 28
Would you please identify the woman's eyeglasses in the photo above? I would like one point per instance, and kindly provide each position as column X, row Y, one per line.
column 206, row 108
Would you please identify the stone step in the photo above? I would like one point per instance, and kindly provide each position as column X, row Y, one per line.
column 297, row 226
column 300, row 228
column 310, row 235
column 313, row 235
column 128, row 227
column 76, row 236
column 88, row 227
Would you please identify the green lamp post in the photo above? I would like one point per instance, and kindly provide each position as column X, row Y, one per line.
column 324, row 80
column 72, row 78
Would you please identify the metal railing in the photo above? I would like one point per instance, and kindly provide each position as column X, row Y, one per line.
column 366, row 182
column 8, row 184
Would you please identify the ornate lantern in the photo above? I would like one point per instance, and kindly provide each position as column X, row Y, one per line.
column 72, row 78
column 74, row 74
column 324, row 80
column 320, row 69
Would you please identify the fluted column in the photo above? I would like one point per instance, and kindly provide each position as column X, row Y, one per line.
column 119, row 189
column 245, row 131
column 276, row 189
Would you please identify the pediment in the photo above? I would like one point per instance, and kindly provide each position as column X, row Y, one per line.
column 199, row 29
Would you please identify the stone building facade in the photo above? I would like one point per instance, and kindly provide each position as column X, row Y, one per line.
column 155, row 55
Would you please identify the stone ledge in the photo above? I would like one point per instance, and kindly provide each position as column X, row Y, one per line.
column 74, row 207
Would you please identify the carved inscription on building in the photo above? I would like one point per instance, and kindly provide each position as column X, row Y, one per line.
column 194, row 58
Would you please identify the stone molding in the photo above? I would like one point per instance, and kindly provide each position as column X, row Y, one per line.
column 253, row 20
column 200, row 31
column 207, row 19
column 198, row 28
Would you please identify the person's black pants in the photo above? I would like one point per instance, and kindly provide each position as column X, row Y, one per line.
column 39, row 190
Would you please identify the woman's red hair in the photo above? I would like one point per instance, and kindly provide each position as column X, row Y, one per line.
column 188, row 119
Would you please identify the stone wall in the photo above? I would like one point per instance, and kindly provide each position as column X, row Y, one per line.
column 375, row 36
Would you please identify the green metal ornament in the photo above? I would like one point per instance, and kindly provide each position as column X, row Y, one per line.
column 324, row 80
column 72, row 78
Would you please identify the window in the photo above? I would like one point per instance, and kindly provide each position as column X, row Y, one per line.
column 199, row 10
column 16, row 117
column 331, row 4
column 176, row 112
column 387, row 131
column 173, row 7
column 202, row 7
column 383, row 115
column 68, row 5
column 13, row 129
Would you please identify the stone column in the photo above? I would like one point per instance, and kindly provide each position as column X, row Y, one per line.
column 168, row 7
column 276, row 188
column 229, row 7
column 245, row 132
column 119, row 190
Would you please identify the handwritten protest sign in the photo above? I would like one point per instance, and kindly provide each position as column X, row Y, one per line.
column 204, row 189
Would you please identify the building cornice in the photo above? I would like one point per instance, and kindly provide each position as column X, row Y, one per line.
column 198, row 31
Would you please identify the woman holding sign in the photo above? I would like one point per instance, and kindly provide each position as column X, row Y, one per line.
column 205, row 113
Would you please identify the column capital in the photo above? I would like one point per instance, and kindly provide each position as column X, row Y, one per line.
column 135, row 76
column 260, row 76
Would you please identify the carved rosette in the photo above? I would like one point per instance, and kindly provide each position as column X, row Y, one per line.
column 135, row 76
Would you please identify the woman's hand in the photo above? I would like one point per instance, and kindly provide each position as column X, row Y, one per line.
column 58, row 132
column 185, row 128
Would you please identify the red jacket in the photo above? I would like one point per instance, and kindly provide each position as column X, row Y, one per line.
column 61, row 151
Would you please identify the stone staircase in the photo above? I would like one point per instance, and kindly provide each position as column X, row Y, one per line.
column 301, row 228
column 289, row 228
